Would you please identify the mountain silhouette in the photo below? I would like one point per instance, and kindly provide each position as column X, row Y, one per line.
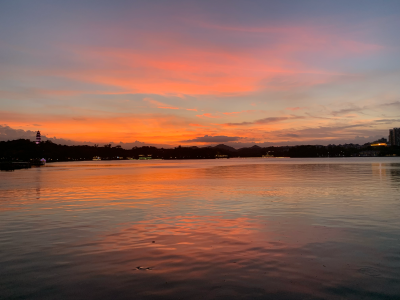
column 225, row 147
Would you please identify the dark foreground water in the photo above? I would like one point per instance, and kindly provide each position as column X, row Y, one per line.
column 216, row 229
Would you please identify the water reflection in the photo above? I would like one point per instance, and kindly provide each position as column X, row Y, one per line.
column 378, row 170
column 38, row 180
column 395, row 173
column 240, row 229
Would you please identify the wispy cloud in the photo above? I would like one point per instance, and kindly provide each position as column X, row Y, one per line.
column 159, row 104
column 344, row 111
column 208, row 115
column 395, row 103
column 294, row 108
column 387, row 121
column 277, row 119
column 239, row 112
column 213, row 139
column 268, row 120
column 289, row 135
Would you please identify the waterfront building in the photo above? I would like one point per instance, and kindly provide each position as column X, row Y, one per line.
column 38, row 138
column 394, row 136
column 369, row 153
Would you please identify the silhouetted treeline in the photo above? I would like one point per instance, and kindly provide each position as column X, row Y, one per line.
column 25, row 150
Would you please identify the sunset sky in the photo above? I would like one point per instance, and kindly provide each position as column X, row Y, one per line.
column 199, row 73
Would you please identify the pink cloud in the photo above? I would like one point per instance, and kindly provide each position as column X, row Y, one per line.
column 217, row 70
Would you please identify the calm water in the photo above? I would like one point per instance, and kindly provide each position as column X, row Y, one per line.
column 215, row 229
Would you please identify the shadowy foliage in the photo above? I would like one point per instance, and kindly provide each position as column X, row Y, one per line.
column 25, row 150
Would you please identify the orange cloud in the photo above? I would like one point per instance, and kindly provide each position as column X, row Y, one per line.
column 158, row 104
column 172, row 130
column 269, row 61
column 207, row 115
column 150, row 128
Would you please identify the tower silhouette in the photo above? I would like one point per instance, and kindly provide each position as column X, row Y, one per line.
column 38, row 138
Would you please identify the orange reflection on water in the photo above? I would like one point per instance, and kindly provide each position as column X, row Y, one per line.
column 224, row 228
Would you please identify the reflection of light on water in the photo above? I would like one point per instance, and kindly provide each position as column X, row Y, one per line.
column 38, row 175
column 379, row 170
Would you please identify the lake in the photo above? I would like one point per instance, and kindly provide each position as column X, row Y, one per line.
column 260, row 228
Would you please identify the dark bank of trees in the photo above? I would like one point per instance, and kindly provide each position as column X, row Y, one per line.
column 25, row 150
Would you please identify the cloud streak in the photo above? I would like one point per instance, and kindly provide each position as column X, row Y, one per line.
column 213, row 139
column 264, row 121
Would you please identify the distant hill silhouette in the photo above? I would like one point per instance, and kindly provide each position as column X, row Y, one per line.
column 225, row 147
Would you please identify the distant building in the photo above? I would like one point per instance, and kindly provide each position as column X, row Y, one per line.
column 381, row 140
column 38, row 138
column 394, row 136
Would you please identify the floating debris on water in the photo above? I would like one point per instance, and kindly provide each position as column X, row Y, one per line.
column 144, row 269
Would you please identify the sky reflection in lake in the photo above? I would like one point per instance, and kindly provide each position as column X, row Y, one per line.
column 224, row 229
